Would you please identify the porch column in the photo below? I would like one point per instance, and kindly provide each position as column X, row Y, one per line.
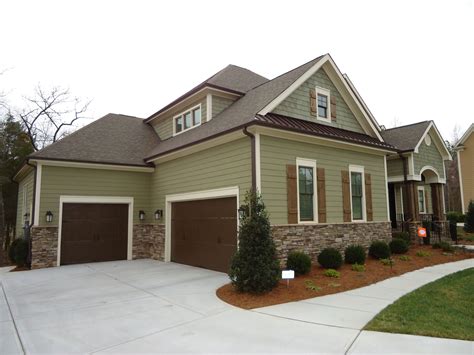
column 437, row 201
column 411, row 201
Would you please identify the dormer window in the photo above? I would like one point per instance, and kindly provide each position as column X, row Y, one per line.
column 323, row 97
column 187, row 120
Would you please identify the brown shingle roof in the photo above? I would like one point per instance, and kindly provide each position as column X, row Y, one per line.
column 241, row 112
column 405, row 137
column 112, row 139
column 232, row 78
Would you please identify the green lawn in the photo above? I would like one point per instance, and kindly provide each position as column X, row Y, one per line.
column 443, row 308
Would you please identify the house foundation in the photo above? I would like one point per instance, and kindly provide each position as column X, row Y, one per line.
column 311, row 239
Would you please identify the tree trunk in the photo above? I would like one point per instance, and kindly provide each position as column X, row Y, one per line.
column 2, row 218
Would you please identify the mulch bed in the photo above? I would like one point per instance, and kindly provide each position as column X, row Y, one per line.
column 374, row 271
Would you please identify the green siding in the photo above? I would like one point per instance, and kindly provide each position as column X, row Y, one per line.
column 395, row 167
column 298, row 103
column 225, row 165
column 26, row 184
column 164, row 126
column 428, row 155
column 219, row 104
column 57, row 181
column 276, row 153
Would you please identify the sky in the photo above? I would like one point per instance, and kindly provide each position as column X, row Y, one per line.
column 410, row 60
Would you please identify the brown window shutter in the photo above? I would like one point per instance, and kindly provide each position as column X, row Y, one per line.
column 368, row 197
column 333, row 108
column 312, row 100
column 321, row 196
column 346, row 196
column 292, row 191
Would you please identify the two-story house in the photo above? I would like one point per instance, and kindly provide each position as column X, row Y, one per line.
column 169, row 186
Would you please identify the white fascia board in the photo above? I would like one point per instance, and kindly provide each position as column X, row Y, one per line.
column 279, row 99
column 70, row 164
column 438, row 141
column 465, row 136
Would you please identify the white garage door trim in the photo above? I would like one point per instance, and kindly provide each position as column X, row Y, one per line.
column 97, row 199
column 191, row 196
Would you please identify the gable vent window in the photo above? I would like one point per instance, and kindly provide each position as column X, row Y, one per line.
column 322, row 106
column 187, row 120
column 323, row 99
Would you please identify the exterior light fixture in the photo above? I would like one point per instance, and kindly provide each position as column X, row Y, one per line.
column 26, row 217
column 158, row 214
column 141, row 215
column 49, row 216
column 243, row 211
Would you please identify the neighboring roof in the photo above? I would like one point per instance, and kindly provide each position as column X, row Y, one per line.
column 240, row 113
column 112, row 139
column 406, row 138
column 232, row 78
column 318, row 129
column 465, row 136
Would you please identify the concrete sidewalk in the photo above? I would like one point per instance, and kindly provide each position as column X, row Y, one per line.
column 354, row 309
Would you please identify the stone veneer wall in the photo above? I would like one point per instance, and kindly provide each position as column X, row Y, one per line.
column 311, row 239
column 44, row 247
column 149, row 241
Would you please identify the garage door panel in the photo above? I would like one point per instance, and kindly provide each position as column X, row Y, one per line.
column 94, row 232
column 204, row 233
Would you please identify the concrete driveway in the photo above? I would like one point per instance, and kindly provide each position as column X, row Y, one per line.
column 149, row 306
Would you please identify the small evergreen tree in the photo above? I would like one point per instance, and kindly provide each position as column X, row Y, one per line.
column 469, row 221
column 255, row 267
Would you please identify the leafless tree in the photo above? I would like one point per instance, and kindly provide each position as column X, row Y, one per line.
column 49, row 114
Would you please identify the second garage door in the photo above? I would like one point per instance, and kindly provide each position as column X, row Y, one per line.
column 204, row 233
column 93, row 232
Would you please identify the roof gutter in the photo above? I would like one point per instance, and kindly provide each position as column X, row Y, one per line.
column 253, row 152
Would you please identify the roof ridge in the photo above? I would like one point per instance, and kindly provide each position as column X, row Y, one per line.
column 289, row 71
column 408, row 125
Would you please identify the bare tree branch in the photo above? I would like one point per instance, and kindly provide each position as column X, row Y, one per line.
column 48, row 113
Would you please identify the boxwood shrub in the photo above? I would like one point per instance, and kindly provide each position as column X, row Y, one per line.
column 398, row 246
column 354, row 254
column 330, row 258
column 299, row 262
column 379, row 250
column 18, row 252
column 402, row 235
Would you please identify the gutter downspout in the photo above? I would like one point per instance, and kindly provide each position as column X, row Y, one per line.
column 33, row 212
column 254, row 165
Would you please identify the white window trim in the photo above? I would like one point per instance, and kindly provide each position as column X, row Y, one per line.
column 421, row 188
column 308, row 163
column 97, row 199
column 326, row 93
column 182, row 114
column 401, row 200
column 358, row 169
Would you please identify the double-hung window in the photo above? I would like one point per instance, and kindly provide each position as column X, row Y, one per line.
column 323, row 99
column 306, row 174
column 357, row 192
column 421, row 199
column 187, row 120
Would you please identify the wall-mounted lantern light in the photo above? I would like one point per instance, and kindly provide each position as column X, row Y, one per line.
column 158, row 214
column 49, row 216
column 141, row 215
column 26, row 217
column 243, row 211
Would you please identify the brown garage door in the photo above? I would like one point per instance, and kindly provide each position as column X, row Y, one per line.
column 93, row 232
column 204, row 233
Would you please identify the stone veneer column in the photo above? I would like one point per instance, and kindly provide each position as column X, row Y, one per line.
column 44, row 247
column 311, row 239
column 148, row 241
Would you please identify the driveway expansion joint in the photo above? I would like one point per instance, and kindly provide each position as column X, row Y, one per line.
column 13, row 319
